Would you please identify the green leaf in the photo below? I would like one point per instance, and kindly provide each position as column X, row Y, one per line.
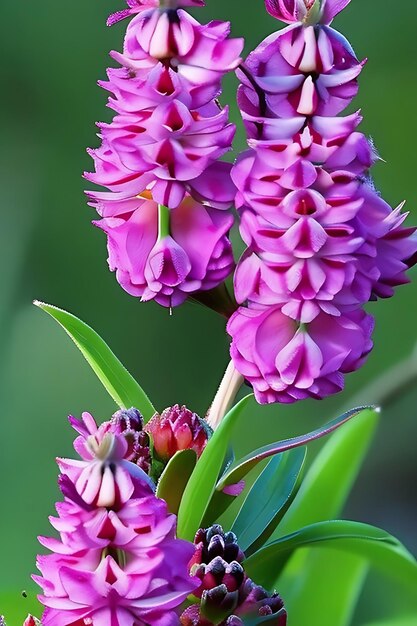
column 202, row 484
column 258, row 517
column 328, row 482
column 175, row 477
column 312, row 576
column 326, row 577
column 381, row 549
column 244, row 465
column 119, row 383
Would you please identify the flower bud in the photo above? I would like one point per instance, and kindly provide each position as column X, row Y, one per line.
column 214, row 542
column 29, row 621
column 255, row 600
column 177, row 429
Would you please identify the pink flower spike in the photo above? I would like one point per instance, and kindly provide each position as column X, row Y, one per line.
column 117, row 560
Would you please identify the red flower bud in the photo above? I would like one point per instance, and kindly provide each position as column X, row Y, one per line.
column 176, row 429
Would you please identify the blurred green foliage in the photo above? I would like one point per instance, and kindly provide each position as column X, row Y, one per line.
column 52, row 53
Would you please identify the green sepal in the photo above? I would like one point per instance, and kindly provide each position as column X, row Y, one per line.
column 175, row 477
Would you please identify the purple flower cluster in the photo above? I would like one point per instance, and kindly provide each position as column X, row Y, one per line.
column 320, row 240
column 117, row 560
column 165, row 213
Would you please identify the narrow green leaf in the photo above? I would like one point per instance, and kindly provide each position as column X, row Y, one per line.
column 119, row 383
column 328, row 482
column 380, row 548
column 202, row 484
column 175, row 477
column 258, row 517
column 244, row 465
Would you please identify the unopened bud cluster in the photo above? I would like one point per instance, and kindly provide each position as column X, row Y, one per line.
column 226, row 593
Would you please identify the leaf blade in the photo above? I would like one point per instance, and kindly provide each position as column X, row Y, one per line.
column 277, row 483
column 118, row 382
column 375, row 545
column 202, row 484
column 248, row 462
column 310, row 574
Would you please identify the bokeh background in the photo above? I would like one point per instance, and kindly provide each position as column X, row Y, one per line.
column 52, row 53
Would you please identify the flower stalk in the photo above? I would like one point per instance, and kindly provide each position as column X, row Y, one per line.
column 225, row 396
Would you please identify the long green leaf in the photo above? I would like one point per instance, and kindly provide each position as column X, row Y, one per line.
column 244, row 465
column 311, row 577
column 258, row 517
column 326, row 577
column 119, row 383
column 175, row 477
column 379, row 547
column 202, row 484
column 329, row 480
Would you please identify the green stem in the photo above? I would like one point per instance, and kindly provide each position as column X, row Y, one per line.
column 163, row 222
column 218, row 299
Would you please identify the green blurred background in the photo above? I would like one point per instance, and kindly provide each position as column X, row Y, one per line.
column 52, row 53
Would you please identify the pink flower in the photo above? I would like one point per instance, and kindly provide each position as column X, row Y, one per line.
column 321, row 242
column 298, row 72
column 164, row 143
column 195, row 256
column 137, row 6
column 117, row 559
column 200, row 54
column 286, row 361
column 167, row 148
column 310, row 11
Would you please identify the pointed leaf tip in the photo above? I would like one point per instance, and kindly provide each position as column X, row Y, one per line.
column 118, row 382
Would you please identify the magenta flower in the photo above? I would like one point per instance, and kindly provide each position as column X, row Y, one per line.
column 286, row 361
column 321, row 241
column 164, row 145
column 298, row 72
column 169, row 148
column 166, row 268
column 117, row 560
column 310, row 11
column 137, row 6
